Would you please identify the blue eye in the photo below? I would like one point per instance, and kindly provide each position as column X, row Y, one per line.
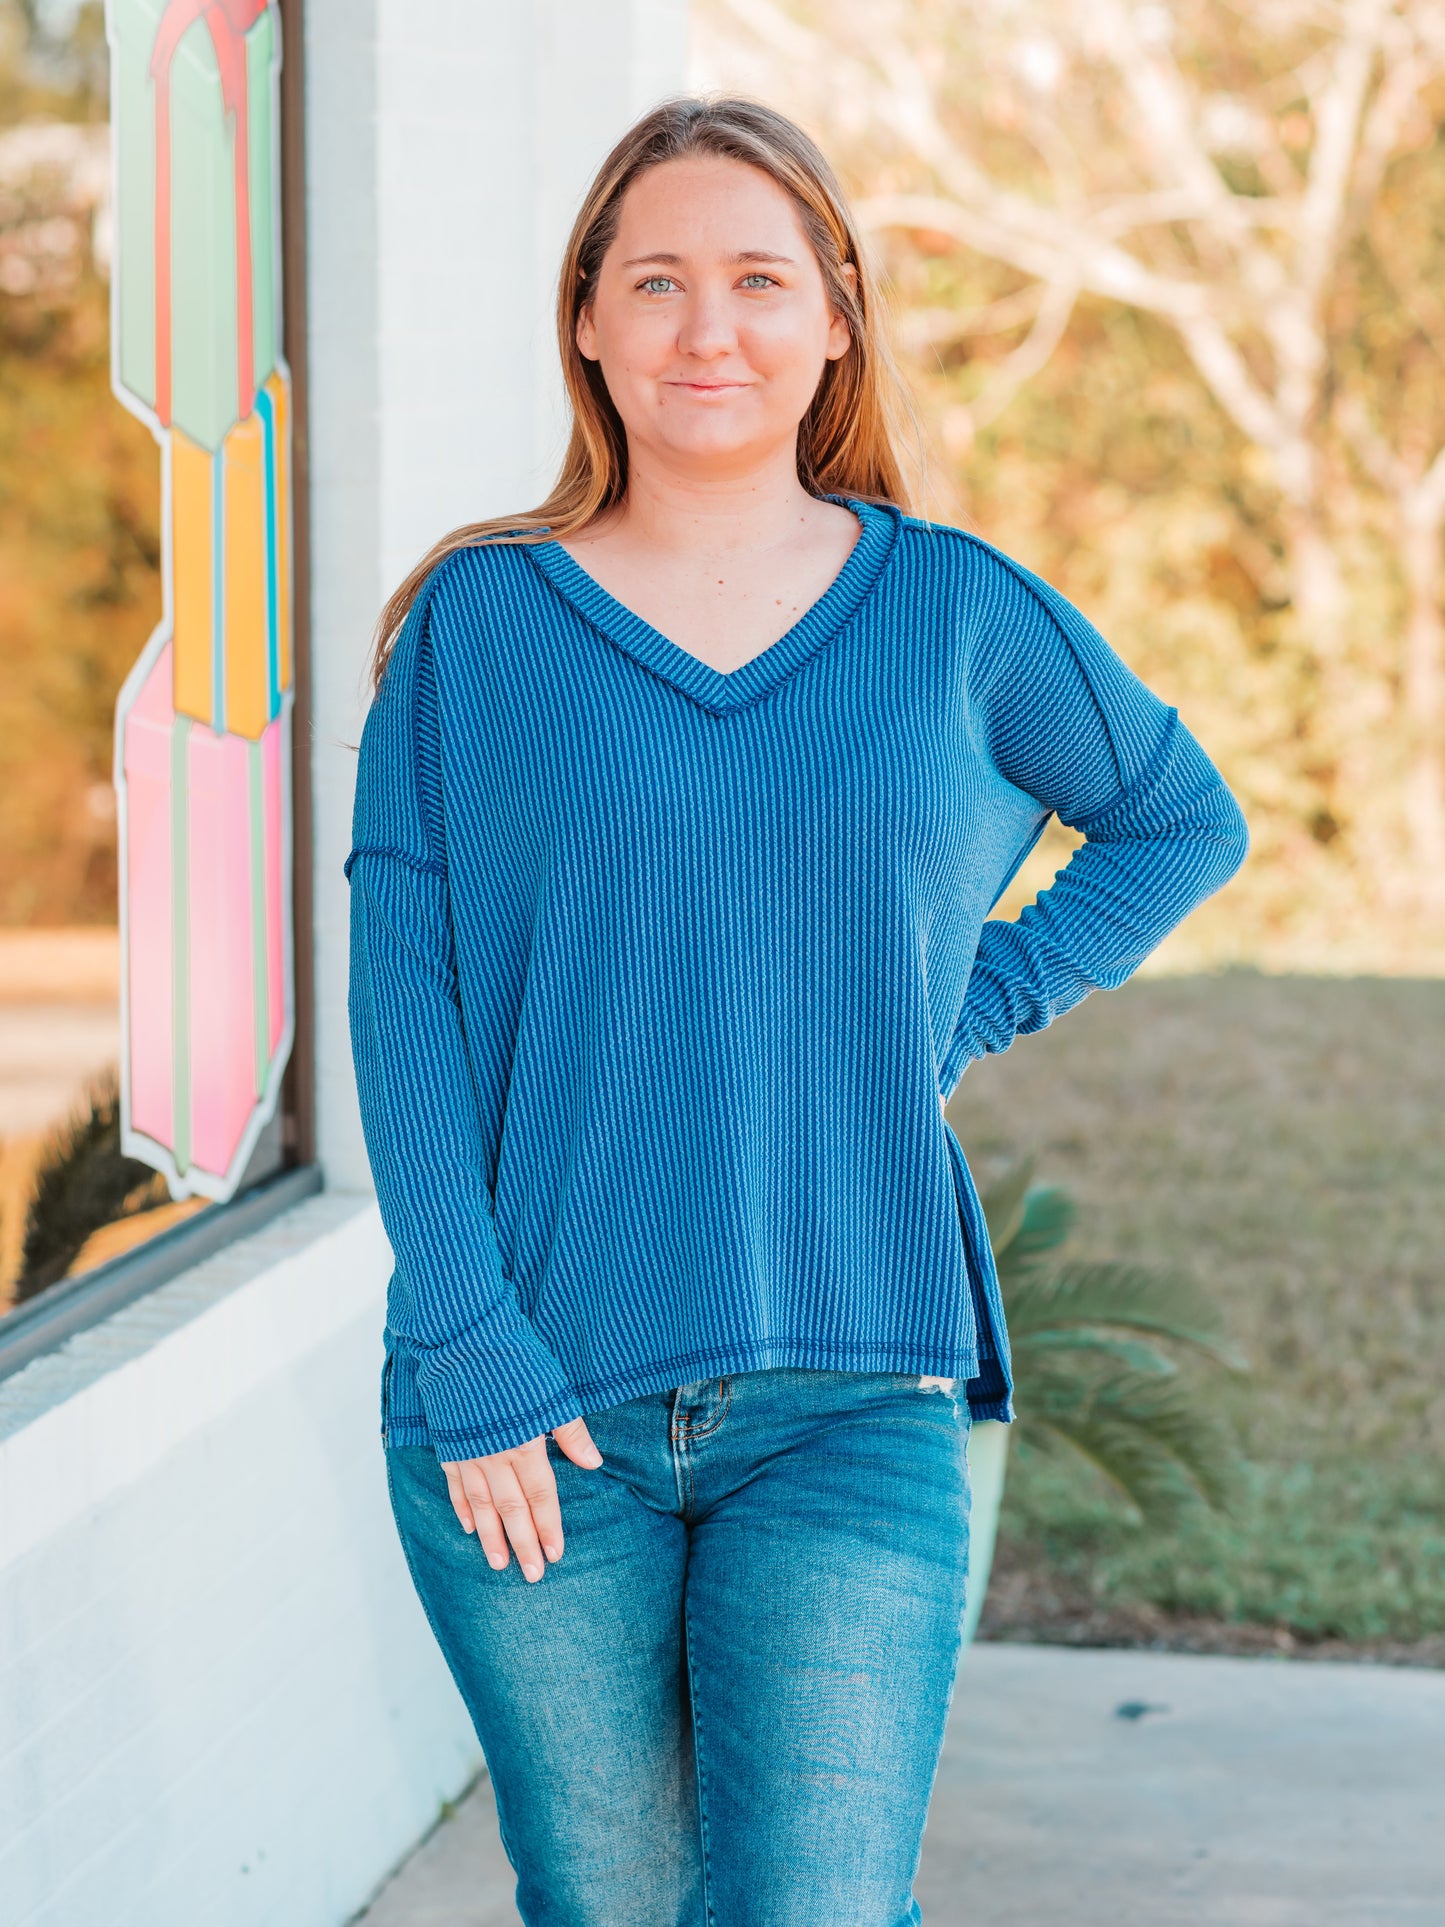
column 764, row 280
column 656, row 283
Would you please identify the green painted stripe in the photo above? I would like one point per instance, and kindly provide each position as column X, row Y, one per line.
column 181, row 943
column 203, row 245
column 134, row 263
column 261, row 999
column 261, row 157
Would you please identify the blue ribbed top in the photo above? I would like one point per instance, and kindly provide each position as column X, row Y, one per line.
column 658, row 974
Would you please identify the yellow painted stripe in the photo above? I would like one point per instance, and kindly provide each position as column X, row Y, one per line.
column 246, row 678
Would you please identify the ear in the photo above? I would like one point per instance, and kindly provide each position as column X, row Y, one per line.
column 586, row 333
column 840, row 335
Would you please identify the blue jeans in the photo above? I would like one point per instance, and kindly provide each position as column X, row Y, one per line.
column 724, row 1705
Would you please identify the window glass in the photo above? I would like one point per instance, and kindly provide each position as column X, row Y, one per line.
column 146, row 974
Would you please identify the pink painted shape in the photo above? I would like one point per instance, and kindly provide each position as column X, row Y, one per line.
column 223, row 1024
column 149, row 902
column 274, row 830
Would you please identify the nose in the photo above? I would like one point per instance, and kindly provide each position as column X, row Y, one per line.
column 706, row 329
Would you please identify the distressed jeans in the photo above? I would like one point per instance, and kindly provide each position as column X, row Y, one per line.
column 724, row 1705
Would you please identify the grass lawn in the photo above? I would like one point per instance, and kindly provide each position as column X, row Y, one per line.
column 1283, row 1139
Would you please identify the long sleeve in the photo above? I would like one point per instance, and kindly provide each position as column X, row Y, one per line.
column 1067, row 722
column 485, row 1379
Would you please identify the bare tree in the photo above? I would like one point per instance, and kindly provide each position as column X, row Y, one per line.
column 1204, row 164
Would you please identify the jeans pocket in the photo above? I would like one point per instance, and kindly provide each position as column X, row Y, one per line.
column 917, row 1382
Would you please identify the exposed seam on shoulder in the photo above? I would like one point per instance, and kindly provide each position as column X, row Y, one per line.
column 1021, row 576
column 1016, row 569
column 1161, row 754
column 455, row 555
column 924, row 525
column 420, row 610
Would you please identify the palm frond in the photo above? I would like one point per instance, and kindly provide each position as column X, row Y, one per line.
column 1147, row 1435
column 1127, row 1351
column 1090, row 1380
column 83, row 1180
column 1049, row 1214
column 1004, row 1205
column 1126, row 1297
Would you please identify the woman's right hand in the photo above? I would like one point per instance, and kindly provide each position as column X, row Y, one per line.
column 513, row 1495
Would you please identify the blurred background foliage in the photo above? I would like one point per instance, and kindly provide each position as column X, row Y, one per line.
column 53, row 61
column 1276, row 1140
column 1169, row 285
column 79, row 478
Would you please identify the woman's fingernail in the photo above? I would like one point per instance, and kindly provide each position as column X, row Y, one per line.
column 532, row 1570
column 494, row 1562
column 552, row 1552
column 594, row 1457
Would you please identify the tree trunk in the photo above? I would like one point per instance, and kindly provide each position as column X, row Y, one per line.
column 1317, row 588
column 1320, row 609
column 1422, row 691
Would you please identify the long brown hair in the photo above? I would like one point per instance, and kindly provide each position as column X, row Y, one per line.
column 847, row 441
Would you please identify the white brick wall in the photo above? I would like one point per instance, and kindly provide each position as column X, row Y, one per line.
column 219, row 1698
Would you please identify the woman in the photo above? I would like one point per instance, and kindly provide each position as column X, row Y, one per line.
column 681, row 806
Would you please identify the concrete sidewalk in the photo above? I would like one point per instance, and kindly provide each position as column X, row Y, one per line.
column 1133, row 1789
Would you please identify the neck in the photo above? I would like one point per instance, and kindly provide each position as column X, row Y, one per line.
column 709, row 512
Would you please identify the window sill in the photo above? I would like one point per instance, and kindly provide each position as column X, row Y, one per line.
column 109, row 1402
column 74, row 1304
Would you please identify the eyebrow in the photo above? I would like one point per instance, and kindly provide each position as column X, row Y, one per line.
column 675, row 260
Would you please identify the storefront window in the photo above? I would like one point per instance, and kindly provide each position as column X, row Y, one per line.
column 147, row 975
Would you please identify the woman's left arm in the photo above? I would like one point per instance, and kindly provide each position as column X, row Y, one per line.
column 1067, row 721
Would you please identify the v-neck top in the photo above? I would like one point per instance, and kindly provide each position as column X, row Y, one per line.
column 716, row 689
column 659, row 973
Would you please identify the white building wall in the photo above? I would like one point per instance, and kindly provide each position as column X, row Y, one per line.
column 437, row 221
column 219, row 1699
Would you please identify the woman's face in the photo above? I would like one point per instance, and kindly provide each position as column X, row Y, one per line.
column 709, row 317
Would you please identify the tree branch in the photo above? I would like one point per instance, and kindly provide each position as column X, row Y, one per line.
column 1032, row 353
